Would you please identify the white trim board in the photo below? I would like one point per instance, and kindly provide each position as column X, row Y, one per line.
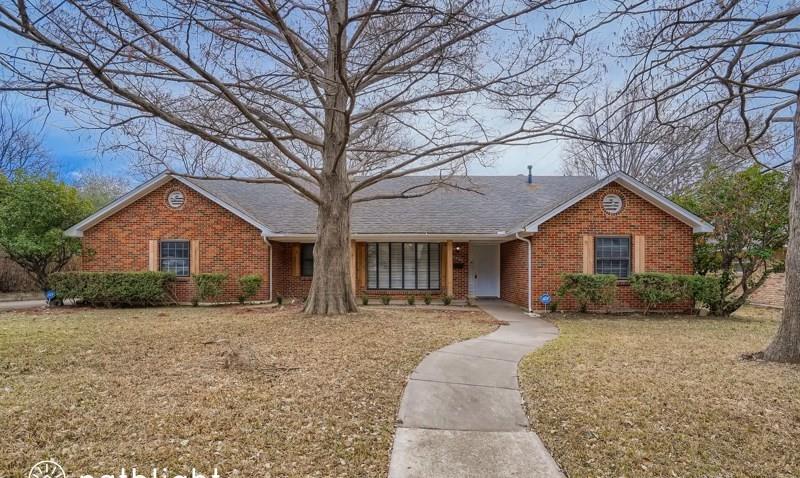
column 698, row 225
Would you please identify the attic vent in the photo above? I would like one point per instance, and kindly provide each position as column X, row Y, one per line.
column 175, row 199
column 612, row 203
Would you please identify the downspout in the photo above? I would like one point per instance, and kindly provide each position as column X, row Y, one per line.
column 269, row 244
column 528, row 241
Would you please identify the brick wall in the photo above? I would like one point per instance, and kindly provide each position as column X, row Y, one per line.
column 227, row 243
column 286, row 284
column 557, row 247
column 514, row 272
column 460, row 275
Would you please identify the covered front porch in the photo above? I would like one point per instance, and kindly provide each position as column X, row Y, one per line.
column 399, row 266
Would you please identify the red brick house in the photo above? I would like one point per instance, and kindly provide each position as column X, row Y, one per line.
column 508, row 236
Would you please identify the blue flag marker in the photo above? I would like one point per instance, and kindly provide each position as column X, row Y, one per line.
column 545, row 298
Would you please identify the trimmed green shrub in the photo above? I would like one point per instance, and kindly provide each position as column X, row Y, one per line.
column 654, row 289
column 385, row 299
column 411, row 300
column 278, row 299
column 250, row 284
column 427, row 298
column 553, row 306
column 209, row 286
column 114, row 289
column 705, row 291
column 659, row 289
column 364, row 300
column 597, row 289
column 447, row 300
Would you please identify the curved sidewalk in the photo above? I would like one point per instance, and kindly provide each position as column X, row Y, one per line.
column 461, row 413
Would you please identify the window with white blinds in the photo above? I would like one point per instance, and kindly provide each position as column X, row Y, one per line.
column 403, row 265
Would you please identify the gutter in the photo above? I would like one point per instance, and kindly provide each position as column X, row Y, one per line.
column 395, row 237
column 528, row 241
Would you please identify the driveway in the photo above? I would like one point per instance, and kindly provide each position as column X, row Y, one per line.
column 21, row 304
column 462, row 414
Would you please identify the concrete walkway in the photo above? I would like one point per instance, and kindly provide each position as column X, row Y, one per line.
column 21, row 304
column 461, row 414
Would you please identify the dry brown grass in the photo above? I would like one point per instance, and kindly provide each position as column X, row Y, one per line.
column 661, row 397
column 253, row 392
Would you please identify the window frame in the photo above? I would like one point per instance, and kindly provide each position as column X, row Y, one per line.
column 304, row 247
column 188, row 257
column 629, row 259
column 403, row 271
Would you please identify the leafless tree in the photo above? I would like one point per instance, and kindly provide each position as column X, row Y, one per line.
column 736, row 62
column 100, row 189
column 630, row 138
column 315, row 94
column 21, row 149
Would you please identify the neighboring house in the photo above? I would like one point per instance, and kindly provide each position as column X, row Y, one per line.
column 449, row 242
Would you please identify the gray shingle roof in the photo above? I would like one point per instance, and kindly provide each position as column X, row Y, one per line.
column 500, row 204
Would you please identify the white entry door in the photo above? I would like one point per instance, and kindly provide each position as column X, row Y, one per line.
column 485, row 269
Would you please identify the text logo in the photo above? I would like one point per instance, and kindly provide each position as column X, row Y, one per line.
column 47, row 469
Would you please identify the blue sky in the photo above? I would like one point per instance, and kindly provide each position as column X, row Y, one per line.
column 76, row 150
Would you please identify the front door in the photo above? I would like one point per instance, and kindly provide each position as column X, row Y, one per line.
column 485, row 270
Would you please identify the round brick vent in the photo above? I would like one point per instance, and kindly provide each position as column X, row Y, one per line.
column 612, row 203
column 176, row 199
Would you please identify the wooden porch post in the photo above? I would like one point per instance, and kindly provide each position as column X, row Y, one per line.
column 353, row 265
column 448, row 268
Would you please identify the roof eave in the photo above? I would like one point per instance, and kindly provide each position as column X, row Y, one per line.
column 698, row 225
column 117, row 205
column 397, row 237
column 147, row 187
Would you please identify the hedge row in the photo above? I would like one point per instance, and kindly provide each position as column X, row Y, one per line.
column 139, row 289
column 114, row 289
column 597, row 289
column 653, row 289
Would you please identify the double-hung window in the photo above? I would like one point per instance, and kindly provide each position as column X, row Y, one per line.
column 174, row 257
column 403, row 265
column 307, row 260
column 613, row 256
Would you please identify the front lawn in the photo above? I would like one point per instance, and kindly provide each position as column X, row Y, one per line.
column 251, row 391
column 664, row 397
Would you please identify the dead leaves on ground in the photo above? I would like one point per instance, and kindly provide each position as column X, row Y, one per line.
column 252, row 391
column 668, row 396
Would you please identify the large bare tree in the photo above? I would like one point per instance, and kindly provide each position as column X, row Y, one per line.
column 736, row 62
column 628, row 136
column 328, row 97
column 21, row 149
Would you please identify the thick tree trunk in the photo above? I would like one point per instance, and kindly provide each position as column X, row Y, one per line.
column 331, row 287
column 785, row 347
